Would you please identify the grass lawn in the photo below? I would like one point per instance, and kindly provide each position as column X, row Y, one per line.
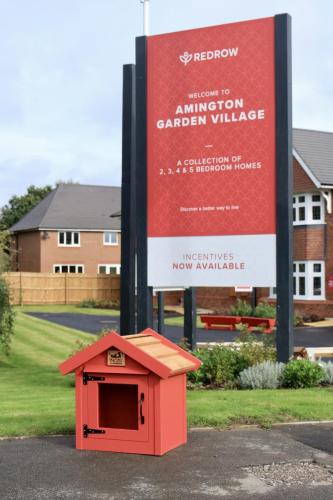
column 179, row 321
column 264, row 407
column 67, row 309
column 36, row 399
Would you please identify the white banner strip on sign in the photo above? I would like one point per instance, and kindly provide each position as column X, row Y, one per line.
column 213, row 260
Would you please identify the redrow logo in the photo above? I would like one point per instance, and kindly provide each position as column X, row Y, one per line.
column 186, row 58
column 208, row 55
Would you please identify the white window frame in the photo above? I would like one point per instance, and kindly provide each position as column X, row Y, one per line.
column 107, row 243
column 68, row 265
column 308, row 205
column 309, row 274
column 108, row 267
column 72, row 244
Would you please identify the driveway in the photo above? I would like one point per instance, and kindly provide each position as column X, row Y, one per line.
column 248, row 463
column 305, row 336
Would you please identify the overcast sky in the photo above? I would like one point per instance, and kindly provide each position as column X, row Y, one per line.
column 61, row 78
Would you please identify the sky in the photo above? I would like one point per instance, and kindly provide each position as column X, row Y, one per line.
column 61, row 78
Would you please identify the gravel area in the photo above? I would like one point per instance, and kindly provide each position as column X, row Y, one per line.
column 306, row 473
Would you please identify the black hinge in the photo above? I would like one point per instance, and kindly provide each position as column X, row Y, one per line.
column 87, row 430
column 90, row 378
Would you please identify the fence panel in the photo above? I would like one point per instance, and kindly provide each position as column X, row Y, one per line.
column 48, row 288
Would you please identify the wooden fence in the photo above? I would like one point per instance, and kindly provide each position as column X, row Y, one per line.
column 45, row 288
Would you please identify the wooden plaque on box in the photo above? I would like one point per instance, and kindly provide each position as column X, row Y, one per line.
column 115, row 358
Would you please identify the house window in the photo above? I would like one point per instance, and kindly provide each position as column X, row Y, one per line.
column 308, row 280
column 68, row 268
column 109, row 269
column 308, row 208
column 68, row 239
column 110, row 238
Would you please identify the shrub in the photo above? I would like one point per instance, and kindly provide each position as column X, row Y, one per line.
column 241, row 308
column 99, row 304
column 266, row 375
column 244, row 332
column 87, row 303
column 265, row 310
column 107, row 304
column 298, row 320
column 254, row 350
column 257, row 352
column 220, row 366
column 328, row 369
column 302, row 373
column 6, row 317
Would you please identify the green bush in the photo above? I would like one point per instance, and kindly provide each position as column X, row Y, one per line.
column 6, row 317
column 266, row 375
column 99, row 304
column 87, row 303
column 298, row 320
column 221, row 366
column 257, row 352
column 265, row 310
column 241, row 308
column 107, row 304
column 302, row 373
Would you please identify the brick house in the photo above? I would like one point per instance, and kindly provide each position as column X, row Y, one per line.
column 313, row 231
column 70, row 231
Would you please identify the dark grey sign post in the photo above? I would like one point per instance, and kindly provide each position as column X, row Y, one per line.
column 190, row 317
column 127, row 277
column 284, row 189
column 144, row 293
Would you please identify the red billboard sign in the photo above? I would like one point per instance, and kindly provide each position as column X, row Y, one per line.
column 211, row 156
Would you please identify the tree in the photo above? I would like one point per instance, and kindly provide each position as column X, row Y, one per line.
column 4, row 251
column 7, row 316
column 18, row 206
column 6, row 309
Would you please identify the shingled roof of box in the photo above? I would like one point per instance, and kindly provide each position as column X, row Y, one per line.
column 316, row 150
column 75, row 206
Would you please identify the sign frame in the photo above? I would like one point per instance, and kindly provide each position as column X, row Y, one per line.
column 284, row 186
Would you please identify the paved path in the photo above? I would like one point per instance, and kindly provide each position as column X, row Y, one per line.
column 212, row 465
column 306, row 337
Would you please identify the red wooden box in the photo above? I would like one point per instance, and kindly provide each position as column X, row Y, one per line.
column 131, row 393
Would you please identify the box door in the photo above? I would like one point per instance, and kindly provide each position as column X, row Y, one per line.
column 118, row 406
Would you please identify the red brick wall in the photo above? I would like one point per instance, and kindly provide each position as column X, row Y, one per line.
column 309, row 243
column 219, row 299
column 33, row 253
column 90, row 253
column 322, row 308
column 302, row 183
column 26, row 252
